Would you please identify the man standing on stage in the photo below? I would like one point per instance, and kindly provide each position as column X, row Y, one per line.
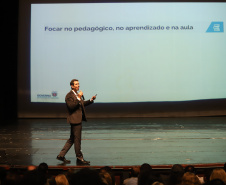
column 76, row 114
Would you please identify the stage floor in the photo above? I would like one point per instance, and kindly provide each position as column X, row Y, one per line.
column 117, row 142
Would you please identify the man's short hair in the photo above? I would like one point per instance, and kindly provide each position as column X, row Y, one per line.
column 72, row 81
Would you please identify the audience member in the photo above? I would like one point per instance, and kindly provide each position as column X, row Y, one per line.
column 35, row 176
column 175, row 176
column 42, row 171
column 106, row 178
column 207, row 174
column 86, row 176
column 108, row 170
column 189, row 178
column 218, row 173
column 192, row 169
column 43, row 168
column 61, row 179
column 145, row 173
column 133, row 180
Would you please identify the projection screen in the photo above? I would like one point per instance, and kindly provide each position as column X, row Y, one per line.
column 141, row 59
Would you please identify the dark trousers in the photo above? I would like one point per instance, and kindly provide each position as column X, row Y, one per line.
column 75, row 138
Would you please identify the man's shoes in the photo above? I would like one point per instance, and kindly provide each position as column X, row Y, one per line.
column 63, row 159
column 81, row 161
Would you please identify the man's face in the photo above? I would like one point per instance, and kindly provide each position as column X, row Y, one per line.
column 76, row 86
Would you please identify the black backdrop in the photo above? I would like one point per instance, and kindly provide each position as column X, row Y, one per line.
column 9, row 32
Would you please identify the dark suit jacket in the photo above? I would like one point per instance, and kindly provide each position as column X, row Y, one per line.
column 75, row 108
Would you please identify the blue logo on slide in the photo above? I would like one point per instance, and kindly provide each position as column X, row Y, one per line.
column 216, row 27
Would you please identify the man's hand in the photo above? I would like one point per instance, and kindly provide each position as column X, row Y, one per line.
column 80, row 94
column 93, row 98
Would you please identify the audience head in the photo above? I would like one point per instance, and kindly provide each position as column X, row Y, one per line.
column 106, row 178
column 86, row 176
column 145, row 173
column 135, row 171
column 36, row 175
column 107, row 169
column 218, row 173
column 176, row 174
column 43, row 167
column 145, row 168
column 177, row 168
column 189, row 178
column 190, row 168
column 61, row 179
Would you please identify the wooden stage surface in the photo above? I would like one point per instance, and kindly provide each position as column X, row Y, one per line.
column 117, row 142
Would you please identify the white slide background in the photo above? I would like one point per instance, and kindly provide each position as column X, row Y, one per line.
column 128, row 66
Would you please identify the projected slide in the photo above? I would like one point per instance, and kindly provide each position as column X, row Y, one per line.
column 128, row 52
